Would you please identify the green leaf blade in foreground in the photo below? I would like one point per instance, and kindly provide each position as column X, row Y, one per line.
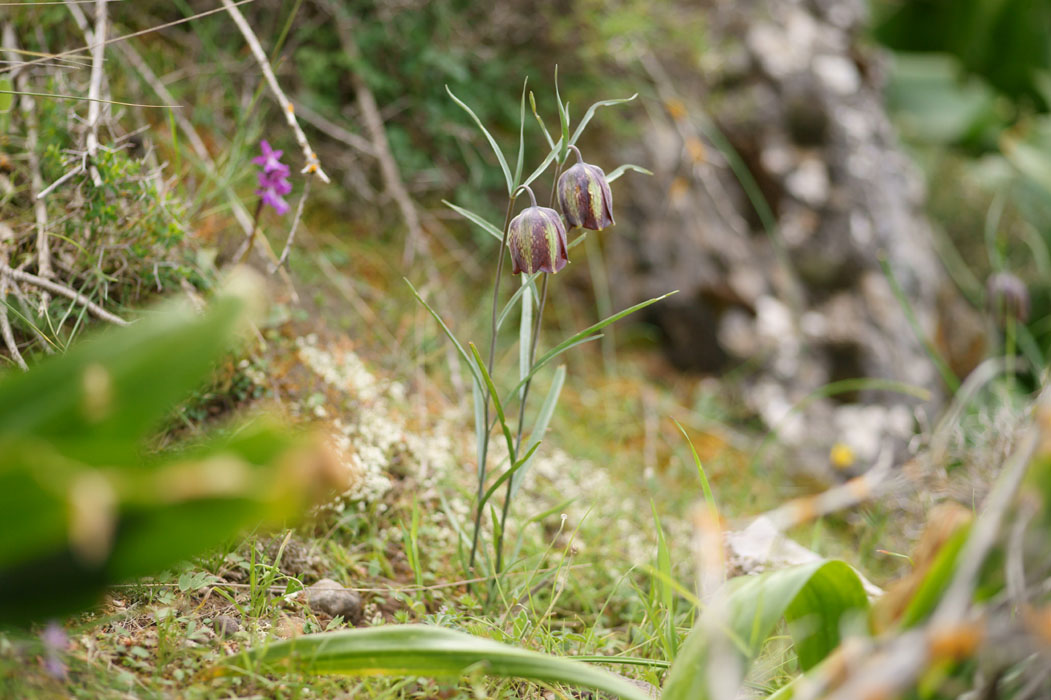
column 423, row 650
column 814, row 598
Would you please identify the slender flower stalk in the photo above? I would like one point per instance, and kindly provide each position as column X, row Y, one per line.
column 485, row 400
column 525, row 393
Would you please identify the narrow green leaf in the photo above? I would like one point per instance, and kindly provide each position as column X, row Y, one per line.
column 448, row 333
column 492, row 142
column 553, row 352
column 548, row 160
column 521, row 137
column 509, row 473
column 475, row 218
column 591, row 113
column 540, row 120
column 540, row 365
column 496, row 402
column 563, row 118
column 615, row 175
column 543, row 419
column 423, row 650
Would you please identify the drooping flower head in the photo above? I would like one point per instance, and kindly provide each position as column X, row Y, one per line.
column 585, row 196
column 273, row 178
column 537, row 239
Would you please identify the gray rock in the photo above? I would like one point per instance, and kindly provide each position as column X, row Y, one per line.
column 225, row 626
column 809, row 305
column 331, row 598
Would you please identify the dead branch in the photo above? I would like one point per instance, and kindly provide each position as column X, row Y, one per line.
column 27, row 278
column 292, row 233
column 28, row 109
column 374, row 123
column 6, row 237
column 98, row 55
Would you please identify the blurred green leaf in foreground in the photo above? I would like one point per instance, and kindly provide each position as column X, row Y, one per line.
column 84, row 502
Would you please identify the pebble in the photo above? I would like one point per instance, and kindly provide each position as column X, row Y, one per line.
column 330, row 597
column 225, row 626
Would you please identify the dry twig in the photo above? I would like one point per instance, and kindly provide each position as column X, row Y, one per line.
column 7, row 236
column 98, row 55
column 370, row 112
column 27, row 278
column 313, row 166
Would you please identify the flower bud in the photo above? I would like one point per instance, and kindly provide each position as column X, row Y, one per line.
column 1008, row 297
column 537, row 239
column 585, row 197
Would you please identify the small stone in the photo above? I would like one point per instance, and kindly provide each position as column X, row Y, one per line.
column 225, row 626
column 330, row 597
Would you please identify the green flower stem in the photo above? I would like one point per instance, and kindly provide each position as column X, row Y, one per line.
column 521, row 425
column 525, row 391
column 492, row 356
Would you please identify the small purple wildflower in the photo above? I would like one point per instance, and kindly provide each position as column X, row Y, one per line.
column 271, row 159
column 273, row 178
column 56, row 643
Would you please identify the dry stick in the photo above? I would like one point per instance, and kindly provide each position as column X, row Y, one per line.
column 28, row 107
column 313, row 166
column 98, row 55
column 6, row 236
column 112, row 40
column 335, row 131
column 374, row 124
column 27, row 278
column 5, row 324
column 295, row 225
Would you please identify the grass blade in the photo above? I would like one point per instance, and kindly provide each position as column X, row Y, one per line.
column 489, row 137
column 425, row 650
column 708, row 497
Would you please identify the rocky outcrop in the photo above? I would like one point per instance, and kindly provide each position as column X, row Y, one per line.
column 779, row 186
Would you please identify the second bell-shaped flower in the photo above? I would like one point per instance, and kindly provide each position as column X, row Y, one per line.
column 585, row 197
column 537, row 239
